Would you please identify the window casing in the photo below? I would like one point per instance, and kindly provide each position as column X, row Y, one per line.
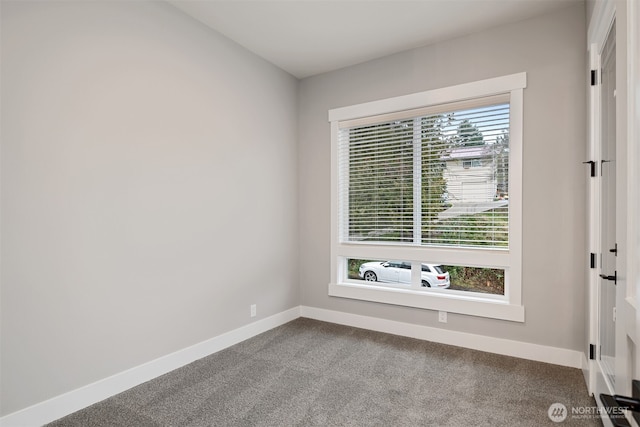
column 393, row 194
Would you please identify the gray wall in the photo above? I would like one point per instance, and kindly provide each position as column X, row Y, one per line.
column 149, row 190
column 590, row 4
column 552, row 50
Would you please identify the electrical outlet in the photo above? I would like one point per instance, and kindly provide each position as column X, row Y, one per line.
column 253, row 310
column 442, row 316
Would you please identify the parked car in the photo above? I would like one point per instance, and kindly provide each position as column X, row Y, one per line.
column 433, row 275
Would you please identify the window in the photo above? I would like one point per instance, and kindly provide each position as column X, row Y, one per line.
column 432, row 179
column 473, row 163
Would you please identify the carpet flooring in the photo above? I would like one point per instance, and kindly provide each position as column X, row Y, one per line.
column 312, row 373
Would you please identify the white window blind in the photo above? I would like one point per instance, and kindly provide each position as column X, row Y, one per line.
column 435, row 176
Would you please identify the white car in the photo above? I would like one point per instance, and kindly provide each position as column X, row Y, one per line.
column 433, row 275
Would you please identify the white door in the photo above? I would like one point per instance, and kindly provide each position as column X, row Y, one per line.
column 607, row 283
column 613, row 315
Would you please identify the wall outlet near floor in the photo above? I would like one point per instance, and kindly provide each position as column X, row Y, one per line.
column 442, row 316
column 253, row 310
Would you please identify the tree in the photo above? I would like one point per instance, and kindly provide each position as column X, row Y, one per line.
column 434, row 185
column 381, row 181
column 381, row 177
column 468, row 135
column 502, row 164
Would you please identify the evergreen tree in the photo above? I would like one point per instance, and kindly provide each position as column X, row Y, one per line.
column 468, row 135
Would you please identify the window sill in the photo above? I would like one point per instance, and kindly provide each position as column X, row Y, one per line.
column 473, row 305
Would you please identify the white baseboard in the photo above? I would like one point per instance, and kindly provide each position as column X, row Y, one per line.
column 523, row 350
column 586, row 372
column 75, row 400
column 80, row 398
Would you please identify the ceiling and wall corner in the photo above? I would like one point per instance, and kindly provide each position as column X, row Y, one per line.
column 307, row 38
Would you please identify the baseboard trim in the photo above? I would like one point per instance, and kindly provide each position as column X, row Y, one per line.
column 539, row 353
column 65, row 404
column 586, row 372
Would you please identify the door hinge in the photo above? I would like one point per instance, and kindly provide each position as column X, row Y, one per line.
column 593, row 167
column 592, row 260
column 594, row 77
column 592, row 352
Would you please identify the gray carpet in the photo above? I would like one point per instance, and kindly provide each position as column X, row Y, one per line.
column 311, row 373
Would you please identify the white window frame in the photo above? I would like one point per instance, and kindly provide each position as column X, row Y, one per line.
column 506, row 307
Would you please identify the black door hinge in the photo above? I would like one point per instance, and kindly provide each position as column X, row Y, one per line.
column 593, row 167
column 592, row 352
column 592, row 260
column 594, row 77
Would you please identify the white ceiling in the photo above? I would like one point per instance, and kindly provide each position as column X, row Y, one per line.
column 308, row 37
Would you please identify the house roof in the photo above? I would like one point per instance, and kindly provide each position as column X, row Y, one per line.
column 473, row 152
